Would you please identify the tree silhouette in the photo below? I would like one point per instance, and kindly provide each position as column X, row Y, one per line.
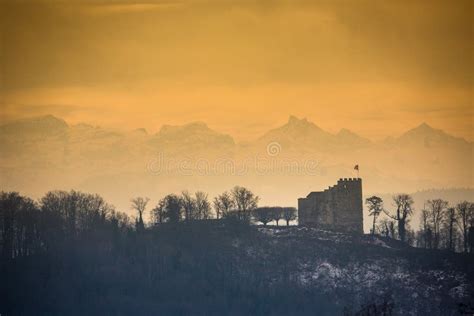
column 450, row 227
column 425, row 227
column 404, row 204
column 203, row 207
column 263, row 215
column 384, row 227
column 277, row 214
column 289, row 214
column 465, row 214
column 18, row 225
column 139, row 204
column 158, row 212
column 437, row 212
column 375, row 206
column 223, row 204
column 188, row 202
column 245, row 201
column 173, row 207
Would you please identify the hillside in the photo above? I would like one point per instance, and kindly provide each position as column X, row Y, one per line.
column 223, row 267
column 360, row 270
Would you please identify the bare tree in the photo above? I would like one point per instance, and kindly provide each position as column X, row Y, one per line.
column 158, row 212
column 425, row 228
column 404, row 204
column 189, row 206
column 223, row 204
column 375, row 206
column 79, row 211
column 289, row 214
column 450, row 227
column 173, row 206
column 120, row 221
column 245, row 201
column 203, row 207
column 69, row 202
column 17, row 225
column 391, row 229
column 9, row 205
column 437, row 211
column 465, row 213
column 139, row 205
column 263, row 215
column 383, row 227
column 277, row 214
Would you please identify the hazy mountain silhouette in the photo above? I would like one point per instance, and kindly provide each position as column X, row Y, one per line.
column 350, row 138
column 426, row 136
column 33, row 128
column 45, row 152
column 302, row 136
column 140, row 131
column 190, row 139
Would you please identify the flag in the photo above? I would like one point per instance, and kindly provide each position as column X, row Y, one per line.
column 356, row 167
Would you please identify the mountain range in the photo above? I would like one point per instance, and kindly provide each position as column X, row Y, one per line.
column 44, row 153
column 296, row 133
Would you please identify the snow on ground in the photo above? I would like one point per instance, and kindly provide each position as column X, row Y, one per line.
column 381, row 270
column 377, row 242
column 322, row 273
column 378, row 277
column 298, row 231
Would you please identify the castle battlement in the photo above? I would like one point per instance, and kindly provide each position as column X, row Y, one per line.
column 338, row 207
column 349, row 180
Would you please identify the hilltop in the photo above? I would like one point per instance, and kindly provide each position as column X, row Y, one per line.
column 215, row 267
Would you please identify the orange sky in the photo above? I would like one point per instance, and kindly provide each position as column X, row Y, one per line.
column 375, row 67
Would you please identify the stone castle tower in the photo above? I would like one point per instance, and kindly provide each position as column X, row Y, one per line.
column 338, row 208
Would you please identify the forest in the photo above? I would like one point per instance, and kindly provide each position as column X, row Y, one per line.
column 73, row 253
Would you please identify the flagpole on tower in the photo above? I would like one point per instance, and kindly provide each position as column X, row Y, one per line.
column 356, row 167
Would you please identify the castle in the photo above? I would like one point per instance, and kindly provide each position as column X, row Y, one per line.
column 338, row 208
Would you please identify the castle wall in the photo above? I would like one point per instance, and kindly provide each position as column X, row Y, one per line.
column 338, row 207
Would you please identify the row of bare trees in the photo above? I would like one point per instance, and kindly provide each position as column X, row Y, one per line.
column 267, row 214
column 28, row 226
column 239, row 202
column 448, row 227
column 441, row 225
column 404, row 209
